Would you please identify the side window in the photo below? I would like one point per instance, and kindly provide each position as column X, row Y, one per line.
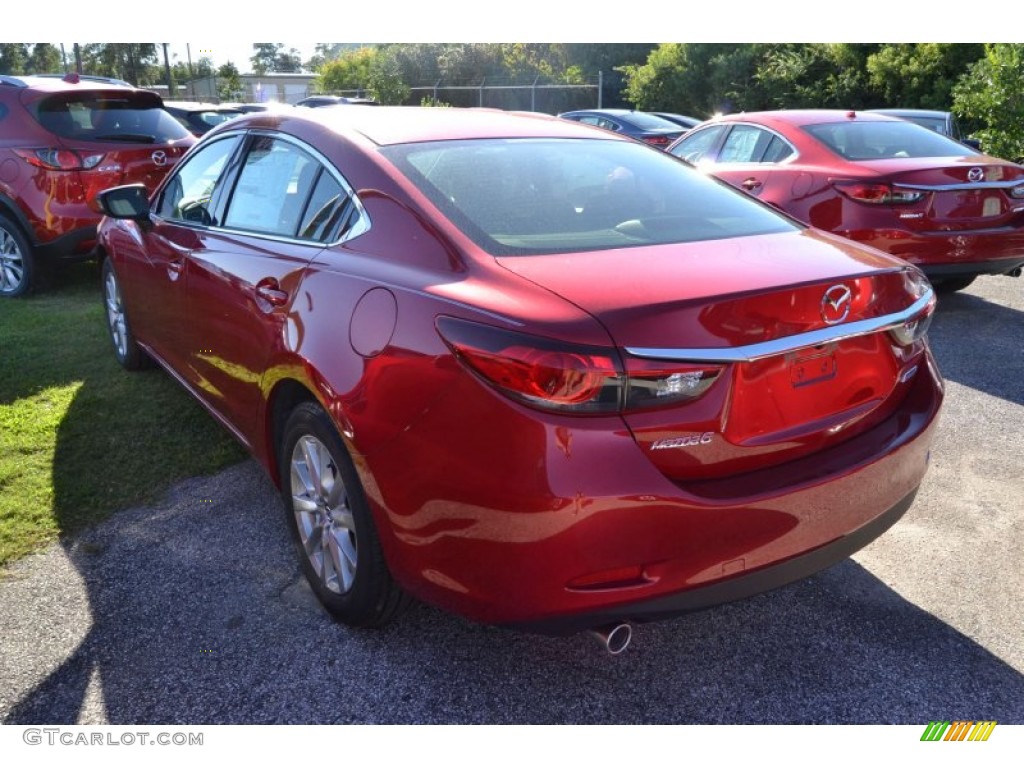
column 273, row 187
column 188, row 195
column 697, row 144
column 744, row 144
column 330, row 212
column 608, row 125
column 777, row 151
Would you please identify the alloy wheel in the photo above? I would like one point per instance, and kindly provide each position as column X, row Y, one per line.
column 323, row 518
column 12, row 266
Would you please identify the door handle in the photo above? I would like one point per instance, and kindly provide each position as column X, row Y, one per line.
column 270, row 291
column 751, row 184
column 175, row 268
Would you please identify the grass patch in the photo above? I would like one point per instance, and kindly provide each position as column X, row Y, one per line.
column 81, row 438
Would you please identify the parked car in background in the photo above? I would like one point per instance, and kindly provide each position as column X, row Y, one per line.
column 263, row 106
column 63, row 138
column 332, row 101
column 940, row 122
column 879, row 180
column 199, row 117
column 651, row 129
column 685, row 121
column 532, row 373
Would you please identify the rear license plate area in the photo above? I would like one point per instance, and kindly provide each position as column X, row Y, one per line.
column 812, row 368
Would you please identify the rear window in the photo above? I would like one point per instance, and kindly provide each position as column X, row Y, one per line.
column 213, row 118
column 649, row 122
column 109, row 116
column 517, row 197
column 884, row 140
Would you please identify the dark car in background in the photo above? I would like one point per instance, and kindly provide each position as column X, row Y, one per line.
column 63, row 139
column 691, row 397
column 685, row 121
column 889, row 183
column 651, row 129
column 324, row 100
column 936, row 120
column 199, row 117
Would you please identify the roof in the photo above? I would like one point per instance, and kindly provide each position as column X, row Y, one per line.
column 912, row 112
column 805, row 116
column 402, row 125
column 59, row 83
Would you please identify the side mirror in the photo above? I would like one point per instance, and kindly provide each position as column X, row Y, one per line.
column 127, row 202
column 972, row 143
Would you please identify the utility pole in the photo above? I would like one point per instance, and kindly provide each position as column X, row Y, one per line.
column 78, row 58
column 171, row 90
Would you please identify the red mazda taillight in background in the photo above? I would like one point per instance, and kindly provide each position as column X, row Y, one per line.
column 60, row 159
column 661, row 142
column 877, row 193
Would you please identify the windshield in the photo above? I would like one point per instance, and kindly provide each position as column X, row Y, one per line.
column 531, row 196
column 885, row 139
column 109, row 116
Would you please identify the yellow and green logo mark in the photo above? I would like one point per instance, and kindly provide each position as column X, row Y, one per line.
column 959, row 730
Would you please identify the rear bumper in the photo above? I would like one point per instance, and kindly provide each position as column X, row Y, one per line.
column 77, row 245
column 729, row 590
column 977, row 252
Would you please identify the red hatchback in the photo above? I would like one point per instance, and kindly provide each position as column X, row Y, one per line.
column 531, row 373
column 62, row 140
column 889, row 183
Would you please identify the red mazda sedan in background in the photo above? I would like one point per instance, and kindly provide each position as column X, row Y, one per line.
column 879, row 180
column 529, row 372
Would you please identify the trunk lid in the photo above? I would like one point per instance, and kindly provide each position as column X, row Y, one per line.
column 971, row 192
column 690, row 307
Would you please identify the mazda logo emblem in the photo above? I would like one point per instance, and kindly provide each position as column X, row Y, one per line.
column 159, row 158
column 835, row 304
column 975, row 174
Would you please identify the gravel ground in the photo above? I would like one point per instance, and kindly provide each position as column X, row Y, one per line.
column 193, row 610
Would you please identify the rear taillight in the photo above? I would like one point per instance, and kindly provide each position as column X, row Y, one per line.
column 658, row 141
column 915, row 328
column 556, row 376
column 59, row 159
column 877, row 194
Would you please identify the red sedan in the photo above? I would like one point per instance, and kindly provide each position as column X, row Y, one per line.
column 889, row 183
column 531, row 373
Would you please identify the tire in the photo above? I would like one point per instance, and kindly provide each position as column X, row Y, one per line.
column 128, row 353
column 17, row 261
column 332, row 526
column 952, row 284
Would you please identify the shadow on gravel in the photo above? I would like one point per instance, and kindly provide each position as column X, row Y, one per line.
column 993, row 361
column 199, row 615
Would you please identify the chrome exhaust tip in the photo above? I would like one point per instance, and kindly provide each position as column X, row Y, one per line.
column 614, row 637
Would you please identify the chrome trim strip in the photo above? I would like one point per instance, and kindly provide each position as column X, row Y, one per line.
column 764, row 349
column 966, row 186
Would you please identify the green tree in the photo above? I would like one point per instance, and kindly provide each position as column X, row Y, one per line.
column 44, row 59
column 387, row 84
column 272, row 57
column 350, row 71
column 13, row 57
column 991, row 93
column 137, row 63
column 264, row 57
column 920, row 75
column 229, row 86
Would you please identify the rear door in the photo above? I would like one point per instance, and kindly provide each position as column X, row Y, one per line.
column 748, row 159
